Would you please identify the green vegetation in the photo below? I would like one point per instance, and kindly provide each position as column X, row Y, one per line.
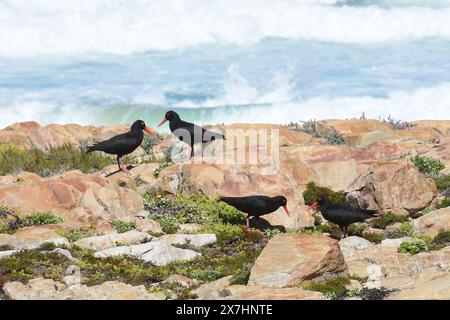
column 312, row 193
column 374, row 237
column 242, row 276
column 444, row 203
column 161, row 167
column 405, row 230
column 413, row 247
column 331, row 289
column 41, row 218
column 57, row 160
column 388, row 219
column 442, row 182
column 10, row 221
column 25, row 265
column 428, row 166
column 122, row 227
column 317, row 130
column 75, row 234
column 190, row 209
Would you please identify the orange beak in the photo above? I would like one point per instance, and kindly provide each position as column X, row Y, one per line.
column 287, row 211
column 314, row 205
column 162, row 122
column 150, row 131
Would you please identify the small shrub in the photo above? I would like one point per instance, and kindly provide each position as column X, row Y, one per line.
column 122, row 227
column 441, row 240
column 270, row 233
column 428, row 165
column 169, row 224
column 333, row 288
column 312, row 193
column 161, row 167
column 405, row 230
column 374, row 237
column 316, row 130
column 413, row 247
column 74, row 235
column 390, row 218
column 242, row 276
column 397, row 124
column 444, row 203
column 9, row 220
column 443, row 183
column 41, row 218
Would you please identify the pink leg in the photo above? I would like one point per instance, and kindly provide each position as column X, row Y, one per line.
column 124, row 168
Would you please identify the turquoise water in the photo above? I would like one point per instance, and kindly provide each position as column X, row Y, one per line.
column 102, row 62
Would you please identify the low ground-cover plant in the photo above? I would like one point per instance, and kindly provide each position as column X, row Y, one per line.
column 14, row 160
column 317, row 130
column 10, row 221
column 331, row 289
column 385, row 220
column 122, row 227
column 161, row 167
column 41, row 218
column 426, row 243
column 428, row 166
column 170, row 213
column 444, row 203
column 443, row 184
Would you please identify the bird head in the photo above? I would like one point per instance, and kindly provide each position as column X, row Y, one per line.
column 321, row 200
column 140, row 125
column 170, row 115
column 282, row 202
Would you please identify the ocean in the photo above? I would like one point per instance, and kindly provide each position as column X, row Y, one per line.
column 215, row 61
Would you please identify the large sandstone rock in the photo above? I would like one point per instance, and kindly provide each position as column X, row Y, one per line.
column 215, row 290
column 393, row 186
column 431, row 223
column 394, row 264
column 290, row 259
column 433, row 285
column 32, row 238
column 47, row 289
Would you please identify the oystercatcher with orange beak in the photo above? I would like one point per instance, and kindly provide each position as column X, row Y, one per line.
column 124, row 143
column 256, row 206
column 189, row 133
column 342, row 215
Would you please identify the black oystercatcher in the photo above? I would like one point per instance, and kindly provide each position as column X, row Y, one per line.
column 342, row 215
column 256, row 206
column 188, row 132
column 124, row 143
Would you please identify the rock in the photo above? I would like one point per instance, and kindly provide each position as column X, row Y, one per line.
column 148, row 225
column 354, row 285
column 159, row 253
column 195, row 240
column 433, row 285
column 65, row 253
column 396, row 264
column 189, row 227
column 431, row 223
column 213, row 290
column 47, row 289
column 350, row 245
column 111, row 240
column 182, row 280
column 7, row 253
column 32, row 238
column 258, row 292
column 374, row 275
column 289, row 259
column 395, row 243
column 393, row 186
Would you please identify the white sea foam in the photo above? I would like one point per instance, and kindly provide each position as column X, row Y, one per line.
column 36, row 27
column 422, row 103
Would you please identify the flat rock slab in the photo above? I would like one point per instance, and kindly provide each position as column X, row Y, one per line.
column 7, row 253
column 434, row 285
column 269, row 293
column 351, row 245
column 159, row 253
column 195, row 240
column 47, row 289
column 111, row 240
column 290, row 259
column 431, row 223
column 31, row 238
